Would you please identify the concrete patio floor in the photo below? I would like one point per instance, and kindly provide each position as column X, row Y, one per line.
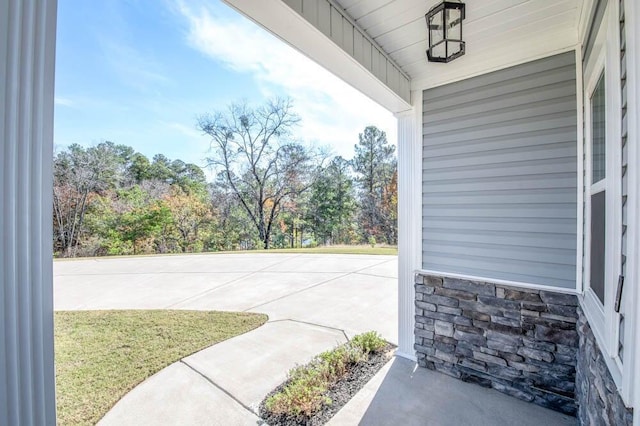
column 403, row 394
column 314, row 302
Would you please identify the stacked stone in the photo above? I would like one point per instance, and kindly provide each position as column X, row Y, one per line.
column 519, row 341
column 597, row 394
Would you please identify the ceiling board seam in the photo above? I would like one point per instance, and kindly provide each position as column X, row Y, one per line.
column 366, row 35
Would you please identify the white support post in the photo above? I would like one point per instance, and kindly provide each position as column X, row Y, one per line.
column 632, row 280
column 409, row 220
column 27, row 52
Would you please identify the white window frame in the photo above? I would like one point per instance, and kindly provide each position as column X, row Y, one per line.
column 596, row 309
column 632, row 329
column 604, row 321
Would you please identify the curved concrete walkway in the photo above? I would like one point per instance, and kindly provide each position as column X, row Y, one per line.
column 314, row 302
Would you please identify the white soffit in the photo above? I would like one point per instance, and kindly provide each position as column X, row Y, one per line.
column 498, row 33
column 329, row 38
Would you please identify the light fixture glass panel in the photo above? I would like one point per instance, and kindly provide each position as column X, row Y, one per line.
column 454, row 47
column 454, row 27
column 439, row 50
column 436, row 27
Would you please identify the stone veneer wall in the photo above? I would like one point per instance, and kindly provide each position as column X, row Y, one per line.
column 518, row 341
column 597, row 395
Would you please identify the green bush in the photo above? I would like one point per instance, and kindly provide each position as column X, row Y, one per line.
column 304, row 395
column 336, row 362
column 369, row 342
column 306, row 388
column 372, row 241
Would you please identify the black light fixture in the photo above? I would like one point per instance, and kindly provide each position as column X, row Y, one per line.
column 444, row 23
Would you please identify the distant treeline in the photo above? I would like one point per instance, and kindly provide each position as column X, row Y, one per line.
column 270, row 192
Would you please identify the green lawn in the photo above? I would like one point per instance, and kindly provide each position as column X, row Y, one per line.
column 392, row 250
column 101, row 355
column 338, row 249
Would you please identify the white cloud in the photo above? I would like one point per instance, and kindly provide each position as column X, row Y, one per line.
column 332, row 111
column 59, row 100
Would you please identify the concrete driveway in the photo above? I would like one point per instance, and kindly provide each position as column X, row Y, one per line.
column 353, row 293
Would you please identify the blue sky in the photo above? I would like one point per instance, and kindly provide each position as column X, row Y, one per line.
column 139, row 72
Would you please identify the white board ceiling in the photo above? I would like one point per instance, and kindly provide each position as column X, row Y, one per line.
column 498, row 33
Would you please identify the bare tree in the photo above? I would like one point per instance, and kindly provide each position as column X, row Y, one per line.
column 253, row 151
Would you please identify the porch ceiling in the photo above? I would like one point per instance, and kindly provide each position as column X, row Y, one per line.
column 378, row 46
column 497, row 33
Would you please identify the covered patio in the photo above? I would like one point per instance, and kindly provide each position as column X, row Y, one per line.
column 519, row 183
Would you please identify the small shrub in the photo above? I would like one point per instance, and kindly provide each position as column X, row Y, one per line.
column 372, row 241
column 307, row 386
column 355, row 354
column 298, row 399
column 304, row 395
column 368, row 342
column 335, row 362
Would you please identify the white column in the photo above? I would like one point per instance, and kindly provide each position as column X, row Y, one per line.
column 409, row 220
column 632, row 28
column 27, row 50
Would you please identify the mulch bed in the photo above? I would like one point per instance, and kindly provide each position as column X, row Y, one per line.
column 355, row 379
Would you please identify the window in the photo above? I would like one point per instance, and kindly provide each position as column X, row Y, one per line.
column 602, row 192
column 598, row 190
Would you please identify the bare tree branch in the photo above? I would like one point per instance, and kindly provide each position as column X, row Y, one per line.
column 252, row 150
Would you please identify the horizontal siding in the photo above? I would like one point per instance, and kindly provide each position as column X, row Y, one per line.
column 500, row 174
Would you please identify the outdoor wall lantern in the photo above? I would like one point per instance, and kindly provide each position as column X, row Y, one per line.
column 444, row 23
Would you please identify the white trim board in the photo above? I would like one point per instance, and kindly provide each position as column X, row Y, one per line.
column 580, row 168
column 584, row 18
column 444, row 78
column 632, row 342
column 409, row 219
column 498, row 282
column 292, row 28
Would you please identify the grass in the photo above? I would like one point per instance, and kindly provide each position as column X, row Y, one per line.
column 306, row 390
column 101, row 355
column 337, row 249
column 378, row 250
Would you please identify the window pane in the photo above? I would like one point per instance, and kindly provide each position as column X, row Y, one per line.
column 598, row 130
column 598, row 217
